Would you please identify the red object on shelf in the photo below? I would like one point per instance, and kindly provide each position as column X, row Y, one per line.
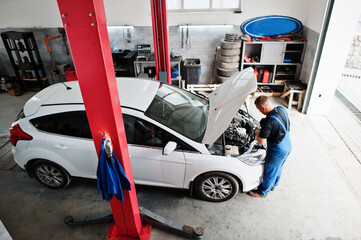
column 275, row 39
column 265, row 76
column 246, row 59
column 256, row 72
column 70, row 75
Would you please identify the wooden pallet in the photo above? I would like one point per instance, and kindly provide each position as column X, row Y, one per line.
column 194, row 88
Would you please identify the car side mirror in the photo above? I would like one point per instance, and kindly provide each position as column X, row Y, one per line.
column 169, row 148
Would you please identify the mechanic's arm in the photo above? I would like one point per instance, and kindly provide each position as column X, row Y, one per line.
column 259, row 139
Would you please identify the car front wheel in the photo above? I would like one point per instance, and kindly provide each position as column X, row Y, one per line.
column 51, row 175
column 216, row 186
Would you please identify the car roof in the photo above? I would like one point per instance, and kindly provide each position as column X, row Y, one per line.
column 133, row 92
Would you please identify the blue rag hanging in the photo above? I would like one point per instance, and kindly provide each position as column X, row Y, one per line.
column 111, row 180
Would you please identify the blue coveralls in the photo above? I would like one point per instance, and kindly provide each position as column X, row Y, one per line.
column 275, row 158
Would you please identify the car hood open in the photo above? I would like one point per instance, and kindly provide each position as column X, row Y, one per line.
column 225, row 101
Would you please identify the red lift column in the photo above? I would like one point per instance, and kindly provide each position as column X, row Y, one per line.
column 160, row 38
column 85, row 25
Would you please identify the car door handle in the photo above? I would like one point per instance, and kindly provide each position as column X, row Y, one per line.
column 61, row 146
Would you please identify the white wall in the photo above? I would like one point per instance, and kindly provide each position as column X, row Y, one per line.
column 29, row 14
column 338, row 39
column 314, row 14
column 45, row 13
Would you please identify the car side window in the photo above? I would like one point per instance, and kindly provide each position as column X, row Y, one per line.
column 68, row 123
column 141, row 132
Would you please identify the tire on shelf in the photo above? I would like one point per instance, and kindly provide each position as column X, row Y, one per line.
column 230, row 52
column 229, row 59
column 221, row 79
column 227, row 65
column 226, row 72
column 230, row 45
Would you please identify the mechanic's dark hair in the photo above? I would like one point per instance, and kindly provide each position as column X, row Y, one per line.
column 262, row 101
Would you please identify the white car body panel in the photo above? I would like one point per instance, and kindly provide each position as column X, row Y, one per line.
column 150, row 167
column 225, row 102
column 79, row 153
column 131, row 94
column 250, row 176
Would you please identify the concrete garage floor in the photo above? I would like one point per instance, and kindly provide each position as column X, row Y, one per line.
column 319, row 196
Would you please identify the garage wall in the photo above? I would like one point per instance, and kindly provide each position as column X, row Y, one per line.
column 35, row 14
column 45, row 14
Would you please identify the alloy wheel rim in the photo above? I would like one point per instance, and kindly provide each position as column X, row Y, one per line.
column 50, row 175
column 217, row 188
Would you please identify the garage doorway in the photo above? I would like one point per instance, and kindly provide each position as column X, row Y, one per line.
column 345, row 113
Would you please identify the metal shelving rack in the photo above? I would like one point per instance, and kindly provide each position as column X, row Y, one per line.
column 25, row 59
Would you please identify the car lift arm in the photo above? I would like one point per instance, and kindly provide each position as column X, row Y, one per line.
column 148, row 218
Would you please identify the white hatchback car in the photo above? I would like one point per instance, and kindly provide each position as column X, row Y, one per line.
column 216, row 152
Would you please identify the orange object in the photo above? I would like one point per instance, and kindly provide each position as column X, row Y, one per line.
column 246, row 59
column 265, row 76
column 256, row 72
column 49, row 38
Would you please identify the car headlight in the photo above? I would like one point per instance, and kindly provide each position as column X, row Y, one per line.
column 253, row 159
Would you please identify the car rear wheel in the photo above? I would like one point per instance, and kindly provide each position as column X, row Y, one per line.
column 216, row 186
column 51, row 175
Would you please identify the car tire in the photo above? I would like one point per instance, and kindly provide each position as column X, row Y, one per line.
column 221, row 79
column 229, row 59
column 226, row 72
column 228, row 65
column 230, row 45
column 216, row 186
column 51, row 175
column 230, row 52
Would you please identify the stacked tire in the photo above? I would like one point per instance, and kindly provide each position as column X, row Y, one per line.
column 228, row 61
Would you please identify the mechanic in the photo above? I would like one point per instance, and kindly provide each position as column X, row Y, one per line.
column 274, row 130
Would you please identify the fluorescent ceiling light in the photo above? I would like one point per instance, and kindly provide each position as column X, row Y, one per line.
column 120, row 27
column 207, row 26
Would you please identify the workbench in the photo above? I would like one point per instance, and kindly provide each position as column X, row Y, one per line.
column 294, row 89
column 140, row 64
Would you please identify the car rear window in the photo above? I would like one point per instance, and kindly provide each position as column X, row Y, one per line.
column 68, row 123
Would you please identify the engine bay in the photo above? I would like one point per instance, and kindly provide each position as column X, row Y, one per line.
column 239, row 137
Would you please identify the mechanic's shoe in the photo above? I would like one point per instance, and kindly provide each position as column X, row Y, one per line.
column 256, row 194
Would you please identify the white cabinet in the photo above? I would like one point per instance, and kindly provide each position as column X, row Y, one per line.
column 272, row 53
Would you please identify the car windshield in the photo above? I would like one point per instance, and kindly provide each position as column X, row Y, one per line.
column 180, row 110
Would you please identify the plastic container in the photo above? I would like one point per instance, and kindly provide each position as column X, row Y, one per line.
column 192, row 70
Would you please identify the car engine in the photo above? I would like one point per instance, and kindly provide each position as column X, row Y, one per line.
column 239, row 137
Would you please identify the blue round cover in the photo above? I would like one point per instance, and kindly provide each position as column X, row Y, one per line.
column 272, row 25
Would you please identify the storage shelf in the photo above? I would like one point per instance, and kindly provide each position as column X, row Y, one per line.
column 273, row 64
column 271, row 55
column 284, row 74
column 25, row 58
column 270, row 84
column 34, row 79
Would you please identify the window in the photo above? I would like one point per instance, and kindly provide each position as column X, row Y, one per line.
column 73, row 124
column 180, row 110
column 203, row 5
column 141, row 132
